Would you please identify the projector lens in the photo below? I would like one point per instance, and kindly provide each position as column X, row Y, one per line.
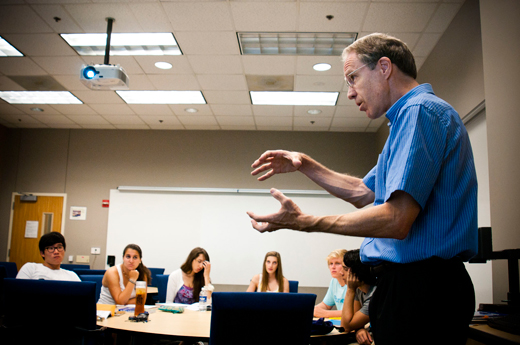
column 89, row 72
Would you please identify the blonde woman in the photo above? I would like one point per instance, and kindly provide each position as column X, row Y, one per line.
column 337, row 287
column 271, row 279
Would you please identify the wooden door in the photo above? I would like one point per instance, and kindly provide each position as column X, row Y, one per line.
column 48, row 212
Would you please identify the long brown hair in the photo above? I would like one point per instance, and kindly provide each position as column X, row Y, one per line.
column 144, row 272
column 198, row 278
column 279, row 273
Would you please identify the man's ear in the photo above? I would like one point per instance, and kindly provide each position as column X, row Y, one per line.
column 386, row 66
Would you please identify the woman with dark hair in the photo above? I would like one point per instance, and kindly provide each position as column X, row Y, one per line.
column 271, row 279
column 119, row 281
column 185, row 283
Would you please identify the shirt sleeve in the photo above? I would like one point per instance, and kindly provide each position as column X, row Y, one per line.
column 329, row 296
column 416, row 153
column 26, row 272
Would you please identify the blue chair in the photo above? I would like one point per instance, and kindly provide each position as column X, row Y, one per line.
column 261, row 318
column 72, row 267
column 293, row 286
column 155, row 272
column 80, row 271
column 162, row 286
column 49, row 311
column 10, row 268
column 96, row 278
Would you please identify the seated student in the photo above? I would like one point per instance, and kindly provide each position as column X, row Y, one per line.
column 118, row 285
column 271, row 279
column 337, row 287
column 185, row 283
column 52, row 249
column 361, row 285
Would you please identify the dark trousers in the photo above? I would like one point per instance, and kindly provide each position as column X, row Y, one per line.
column 426, row 302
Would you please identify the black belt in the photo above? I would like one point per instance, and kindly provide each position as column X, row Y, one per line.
column 387, row 266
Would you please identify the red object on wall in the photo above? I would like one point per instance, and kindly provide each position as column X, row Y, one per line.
column 106, row 203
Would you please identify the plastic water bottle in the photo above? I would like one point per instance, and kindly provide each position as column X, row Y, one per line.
column 203, row 299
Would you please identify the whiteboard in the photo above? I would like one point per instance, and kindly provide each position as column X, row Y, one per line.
column 168, row 225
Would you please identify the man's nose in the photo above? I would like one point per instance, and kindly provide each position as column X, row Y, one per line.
column 351, row 94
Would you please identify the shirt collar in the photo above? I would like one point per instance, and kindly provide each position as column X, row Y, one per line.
column 394, row 109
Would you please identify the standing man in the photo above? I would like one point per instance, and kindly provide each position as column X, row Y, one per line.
column 52, row 249
column 423, row 223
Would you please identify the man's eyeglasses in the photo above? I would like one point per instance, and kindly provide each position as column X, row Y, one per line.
column 52, row 249
column 349, row 78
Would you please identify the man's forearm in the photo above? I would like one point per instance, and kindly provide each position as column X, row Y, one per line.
column 346, row 187
column 392, row 219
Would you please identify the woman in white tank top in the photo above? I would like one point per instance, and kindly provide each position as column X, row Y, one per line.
column 271, row 279
column 119, row 281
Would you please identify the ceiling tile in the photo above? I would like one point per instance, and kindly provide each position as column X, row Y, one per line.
column 20, row 66
column 216, row 64
column 200, row 43
column 180, row 64
column 158, row 120
column 349, row 111
column 269, row 65
column 222, row 82
column 426, row 44
column 124, row 119
column 60, row 64
column 313, row 16
column 273, row 110
column 227, row 97
column 199, row 16
column 50, row 44
column 64, row 22
column 180, row 109
column 231, row 110
column 300, row 111
column 318, row 83
column 236, row 120
column 198, row 120
column 442, row 17
column 406, row 17
column 265, row 16
column 112, row 109
column 74, row 109
column 273, row 121
column 92, row 17
column 151, row 16
column 151, row 109
column 21, row 19
column 98, row 97
column 174, row 82
column 6, row 84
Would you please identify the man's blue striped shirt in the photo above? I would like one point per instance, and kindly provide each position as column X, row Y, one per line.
column 427, row 155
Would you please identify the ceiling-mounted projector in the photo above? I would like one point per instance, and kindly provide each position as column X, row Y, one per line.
column 104, row 77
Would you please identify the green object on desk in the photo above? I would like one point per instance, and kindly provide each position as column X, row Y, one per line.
column 172, row 309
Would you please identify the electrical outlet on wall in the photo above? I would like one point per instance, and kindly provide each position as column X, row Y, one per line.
column 95, row 251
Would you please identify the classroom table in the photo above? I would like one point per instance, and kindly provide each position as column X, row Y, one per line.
column 193, row 325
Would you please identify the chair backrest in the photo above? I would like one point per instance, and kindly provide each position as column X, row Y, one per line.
column 10, row 268
column 155, row 272
column 261, row 318
column 162, row 286
column 96, row 278
column 293, row 286
column 48, row 304
column 72, row 267
column 81, row 271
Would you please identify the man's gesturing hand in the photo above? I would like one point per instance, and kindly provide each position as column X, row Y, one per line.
column 289, row 216
column 277, row 162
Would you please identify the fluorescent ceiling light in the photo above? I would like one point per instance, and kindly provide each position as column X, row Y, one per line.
column 39, row 97
column 295, row 43
column 162, row 97
column 293, row 98
column 8, row 50
column 160, row 43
